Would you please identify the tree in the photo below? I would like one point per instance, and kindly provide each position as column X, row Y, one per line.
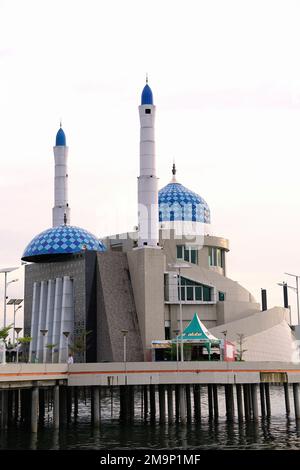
column 4, row 332
column 25, row 342
column 240, row 349
column 80, row 343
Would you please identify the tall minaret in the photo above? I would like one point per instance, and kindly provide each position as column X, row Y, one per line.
column 147, row 181
column 61, row 209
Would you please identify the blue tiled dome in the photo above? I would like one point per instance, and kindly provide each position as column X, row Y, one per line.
column 61, row 240
column 177, row 203
column 147, row 96
column 60, row 138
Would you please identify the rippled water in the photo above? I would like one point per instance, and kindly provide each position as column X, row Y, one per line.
column 275, row 433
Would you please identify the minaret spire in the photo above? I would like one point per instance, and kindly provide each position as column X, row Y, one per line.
column 173, row 180
column 147, row 181
column 61, row 209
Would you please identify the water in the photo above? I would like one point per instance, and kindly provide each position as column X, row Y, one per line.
column 275, row 433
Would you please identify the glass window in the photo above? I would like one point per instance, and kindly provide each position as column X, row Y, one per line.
column 186, row 254
column 194, row 256
column 210, row 256
column 221, row 296
column 194, row 291
column 190, row 293
column 179, row 251
column 198, row 293
column 216, row 257
column 206, row 294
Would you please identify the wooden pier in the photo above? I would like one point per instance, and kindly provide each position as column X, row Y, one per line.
column 169, row 392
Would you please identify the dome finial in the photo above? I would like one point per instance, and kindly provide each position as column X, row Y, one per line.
column 174, row 172
column 147, row 77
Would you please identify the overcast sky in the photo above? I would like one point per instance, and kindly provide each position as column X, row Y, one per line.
column 226, row 82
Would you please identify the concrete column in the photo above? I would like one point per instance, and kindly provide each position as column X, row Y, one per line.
column 296, row 400
column 177, row 400
column 182, row 404
column 262, row 399
column 249, row 398
column 268, row 401
column 188, row 403
column 152, row 403
column 56, row 407
column 246, row 402
column 75, row 403
column 145, row 389
column 4, row 409
column 123, row 404
column 62, row 405
column 41, row 406
column 69, row 397
column 170, row 404
column 254, row 401
column 239, row 400
column 287, row 398
column 16, row 403
column 9, row 405
column 229, row 401
column 210, row 402
column 215, row 399
column 96, row 406
column 162, row 404
column 34, row 408
column 197, row 402
column 131, row 391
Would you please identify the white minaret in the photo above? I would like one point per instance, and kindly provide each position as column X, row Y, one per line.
column 61, row 209
column 147, row 181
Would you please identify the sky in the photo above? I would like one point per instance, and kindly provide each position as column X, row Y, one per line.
column 226, row 82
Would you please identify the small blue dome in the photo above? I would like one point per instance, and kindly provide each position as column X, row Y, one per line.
column 61, row 240
column 60, row 138
column 177, row 203
column 147, row 96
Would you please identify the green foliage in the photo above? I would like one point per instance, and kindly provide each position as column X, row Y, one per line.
column 80, row 343
column 50, row 346
column 4, row 332
column 25, row 340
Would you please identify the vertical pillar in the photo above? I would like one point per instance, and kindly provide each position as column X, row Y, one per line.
column 249, row 398
column 262, row 399
column 122, row 403
column 145, row 388
column 246, row 402
column 9, row 406
column 56, row 407
column 41, row 406
column 210, row 402
column 197, row 402
column 152, row 403
column 188, row 403
column 75, row 403
column 229, row 401
column 170, row 404
column 268, row 401
column 296, row 400
column 182, row 404
column 131, row 391
column 34, row 408
column 216, row 403
column 177, row 399
column 239, row 400
column 69, row 393
column 287, row 398
column 96, row 406
column 254, row 401
column 4, row 414
column 162, row 404
column 16, row 403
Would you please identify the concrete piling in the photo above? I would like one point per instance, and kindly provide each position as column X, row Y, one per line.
column 182, row 404
column 287, row 398
column 56, row 407
column 96, row 406
column 268, row 401
column 215, row 400
column 152, row 403
column 188, row 403
column 239, row 400
column 170, row 404
column 162, row 404
column 177, row 407
column 254, row 401
column 34, row 408
column 296, row 400
column 146, row 402
column 210, row 401
column 197, row 402
column 229, row 400
column 262, row 399
column 246, row 402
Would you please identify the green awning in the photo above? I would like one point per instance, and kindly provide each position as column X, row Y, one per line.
column 196, row 332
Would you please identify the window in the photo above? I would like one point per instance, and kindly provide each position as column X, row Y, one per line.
column 216, row 257
column 221, row 296
column 187, row 253
column 167, row 329
column 147, row 111
column 191, row 291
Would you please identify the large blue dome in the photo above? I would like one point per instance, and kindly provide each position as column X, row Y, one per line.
column 177, row 203
column 61, row 240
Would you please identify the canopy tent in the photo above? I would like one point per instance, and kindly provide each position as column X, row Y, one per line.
column 196, row 333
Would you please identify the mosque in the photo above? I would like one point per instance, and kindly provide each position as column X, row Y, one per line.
column 147, row 284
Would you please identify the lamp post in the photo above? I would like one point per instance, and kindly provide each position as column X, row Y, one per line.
column 15, row 303
column 297, row 292
column 225, row 334
column 180, row 266
column 6, row 271
column 66, row 335
column 176, row 333
column 17, row 330
column 44, row 332
column 125, row 332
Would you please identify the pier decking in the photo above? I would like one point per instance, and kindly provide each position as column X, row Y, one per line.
column 177, row 388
